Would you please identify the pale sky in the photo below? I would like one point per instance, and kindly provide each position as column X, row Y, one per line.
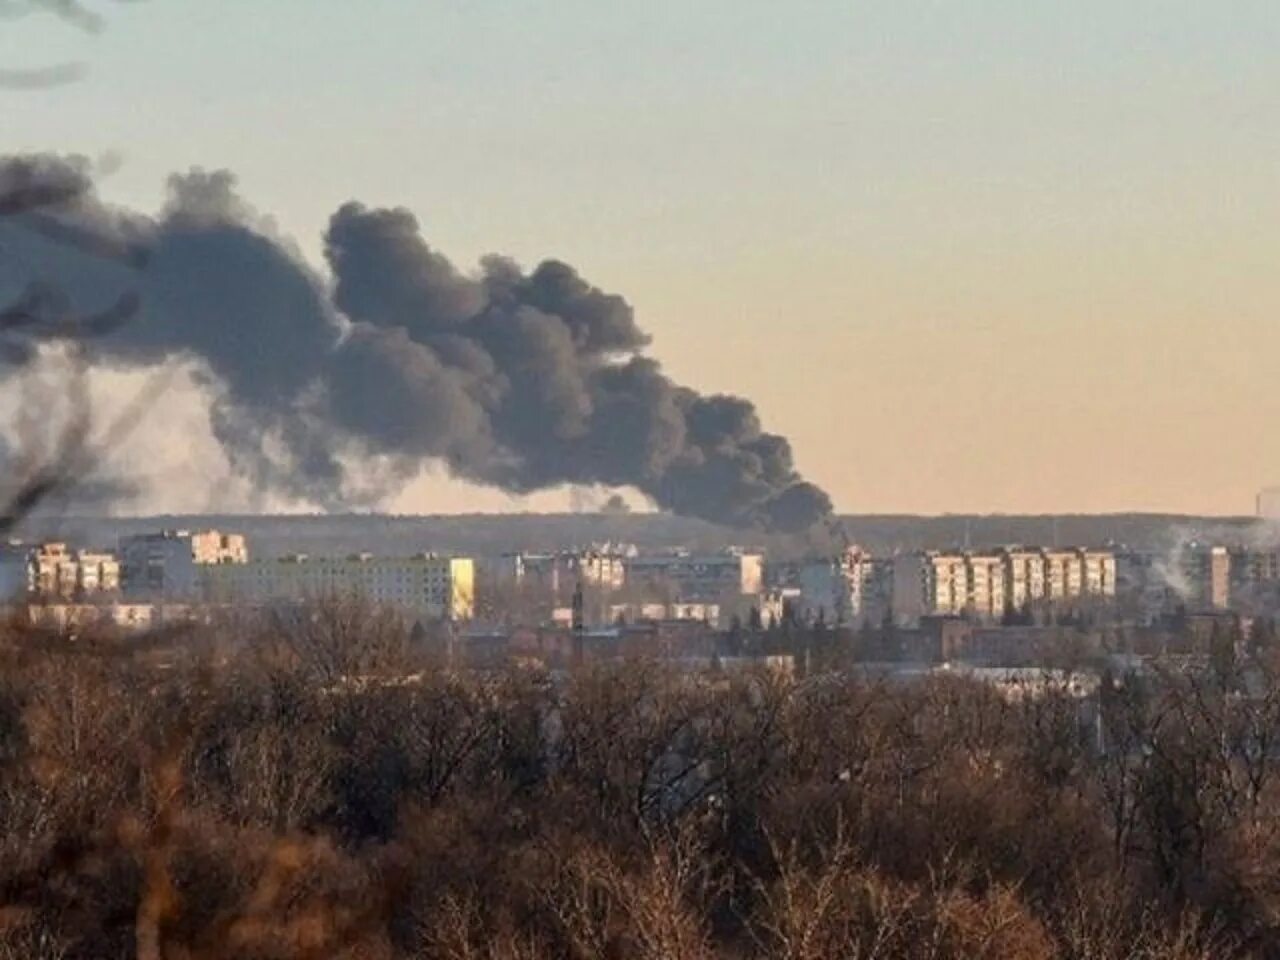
column 969, row 255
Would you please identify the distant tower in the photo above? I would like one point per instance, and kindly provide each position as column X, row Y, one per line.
column 1269, row 504
column 578, row 606
column 578, row 623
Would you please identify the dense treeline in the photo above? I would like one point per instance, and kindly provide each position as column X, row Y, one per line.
column 324, row 789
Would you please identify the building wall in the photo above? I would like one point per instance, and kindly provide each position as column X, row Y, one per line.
column 1251, row 567
column 55, row 570
column 984, row 574
column 985, row 585
column 1215, row 578
column 16, row 579
column 711, row 577
column 97, row 572
column 637, row 612
column 440, row 587
column 1024, row 577
column 167, row 564
column 929, row 584
column 838, row 588
column 558, row 574
column 82, row 616
column 214, row 546
column 1062, row 574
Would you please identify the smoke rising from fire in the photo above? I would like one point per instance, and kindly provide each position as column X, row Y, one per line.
column 338, row 388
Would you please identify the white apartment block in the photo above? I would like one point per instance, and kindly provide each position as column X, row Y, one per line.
column 97, row 572
column 166, row 564
column 985, row 585
column 1064, row 575
column 55, row 570
column 424, row 585
column 986, row 582
column 1024, row 576
column 1098, row 573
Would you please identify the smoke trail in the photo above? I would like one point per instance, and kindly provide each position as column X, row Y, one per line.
column 517, row 380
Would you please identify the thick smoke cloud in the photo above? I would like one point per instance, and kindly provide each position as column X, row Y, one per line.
column 518, row 380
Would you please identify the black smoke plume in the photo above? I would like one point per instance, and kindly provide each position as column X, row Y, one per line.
column 339, row 388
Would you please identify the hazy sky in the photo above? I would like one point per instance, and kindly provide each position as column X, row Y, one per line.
column 1008, row 255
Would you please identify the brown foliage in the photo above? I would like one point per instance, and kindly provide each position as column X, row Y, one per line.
column 323, row 791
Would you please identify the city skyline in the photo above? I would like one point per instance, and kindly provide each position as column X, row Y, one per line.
column 979, row 258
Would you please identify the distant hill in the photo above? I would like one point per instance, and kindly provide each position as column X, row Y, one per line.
column 486, row 534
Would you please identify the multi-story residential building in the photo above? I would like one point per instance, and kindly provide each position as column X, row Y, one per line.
column 771, row 607
column 55, row 570
column 1252, row 566
column 986, row 585
column 1253, row 577
column 1023, row 576
column 1210, row 569
column 1097, row 573
column 840, row 590
column 167, row 564
column 1193, row 576
column 699, row 577
column 1072, row 573
column 97, row 572
column 949, row 584
column 929, row 584
column 1063, row 574
column 425, row 585
column 559, row 574
column 877, row 592
column 985, row 580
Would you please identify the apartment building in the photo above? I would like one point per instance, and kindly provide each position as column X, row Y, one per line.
column 1024, row 576
column 97, row 572
column 1211, row 569
column 929, row 584
column 166, row 564
column 557, row 575
column 1250, row 566
column 698, row 577
column 1063, row 574
column 985, row 574
column 1253, row 576
column 985, row 585
column 424, row 585
column 55, row 570
column 841, row 589
column 1097, row 573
